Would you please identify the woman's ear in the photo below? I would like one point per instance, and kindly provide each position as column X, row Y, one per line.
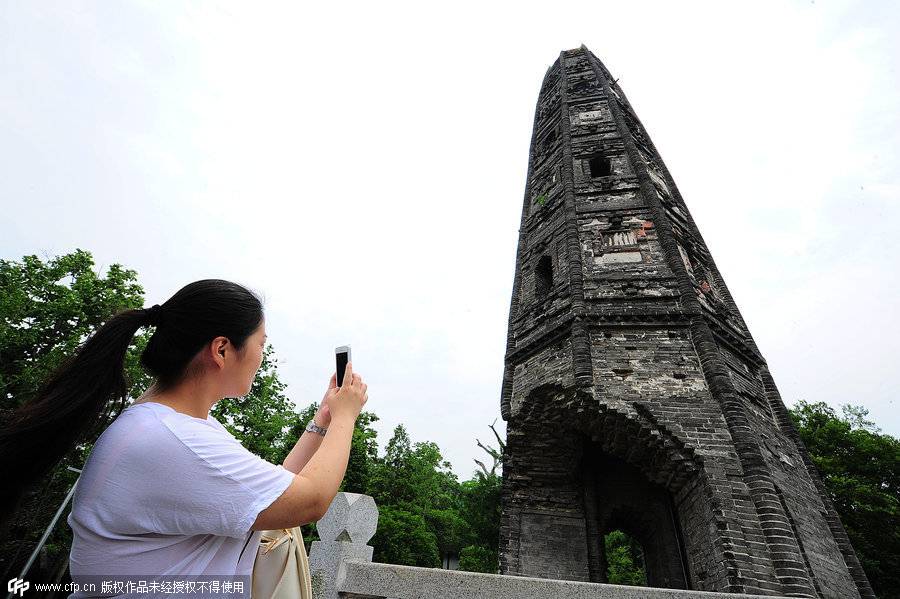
column 219, row 344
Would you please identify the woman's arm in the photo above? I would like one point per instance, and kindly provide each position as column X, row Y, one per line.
column 313, row 489
column 305, row 447
column 308, row 443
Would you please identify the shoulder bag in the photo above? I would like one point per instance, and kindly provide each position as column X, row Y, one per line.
column 281, row 569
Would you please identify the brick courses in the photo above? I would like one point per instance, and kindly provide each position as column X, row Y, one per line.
column 634, row 394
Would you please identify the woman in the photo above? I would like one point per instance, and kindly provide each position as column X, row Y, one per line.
column 167, row 490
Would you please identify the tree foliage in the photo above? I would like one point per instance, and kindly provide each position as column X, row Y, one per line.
column 47, row 309
column 363, row 453
column 481, row 512
column 422, row 504
column 415, row 482
column 404, row 537
column 475, row 558
column 624, row 560
column 860, row 468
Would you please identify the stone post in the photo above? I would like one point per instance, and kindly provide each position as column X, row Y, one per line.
column 349, row 523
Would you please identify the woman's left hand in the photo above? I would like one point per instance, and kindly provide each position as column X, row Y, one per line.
column 323, row 415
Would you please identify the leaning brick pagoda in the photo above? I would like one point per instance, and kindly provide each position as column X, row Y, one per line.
column 634, row 394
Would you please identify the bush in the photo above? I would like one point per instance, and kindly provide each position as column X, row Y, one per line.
column 478, row 559
column 404, row 538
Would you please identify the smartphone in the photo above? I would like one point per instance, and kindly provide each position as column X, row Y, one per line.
column 341, row 357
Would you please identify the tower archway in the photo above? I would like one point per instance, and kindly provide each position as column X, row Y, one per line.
column 617, row 469
column 619, row 497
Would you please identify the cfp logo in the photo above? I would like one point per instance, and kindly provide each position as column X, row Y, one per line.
column 17, row 585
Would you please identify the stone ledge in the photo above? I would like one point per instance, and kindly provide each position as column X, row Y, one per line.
column 361, row 579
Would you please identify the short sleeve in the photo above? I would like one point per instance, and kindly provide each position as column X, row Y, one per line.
column 214, row 484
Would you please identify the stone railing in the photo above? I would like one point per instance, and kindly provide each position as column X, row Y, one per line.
column 341, row 566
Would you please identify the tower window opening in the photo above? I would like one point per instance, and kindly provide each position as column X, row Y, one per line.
column 599, row 166
column 543, row 276
column 624, row 559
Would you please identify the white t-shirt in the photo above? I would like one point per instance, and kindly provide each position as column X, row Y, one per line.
column 164, row 493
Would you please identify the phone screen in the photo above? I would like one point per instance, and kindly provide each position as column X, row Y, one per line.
column 341, row 360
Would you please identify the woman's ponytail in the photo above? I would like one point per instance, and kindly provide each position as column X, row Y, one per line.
column 79, row 398
column 73, row 403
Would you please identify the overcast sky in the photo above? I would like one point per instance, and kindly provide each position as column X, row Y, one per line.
column 363, row 167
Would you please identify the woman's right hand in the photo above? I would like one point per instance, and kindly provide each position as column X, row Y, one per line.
column 348, row 399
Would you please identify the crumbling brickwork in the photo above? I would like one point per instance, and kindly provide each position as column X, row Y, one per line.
column 634, row 394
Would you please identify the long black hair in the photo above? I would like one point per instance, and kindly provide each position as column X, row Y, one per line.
column 81, row 395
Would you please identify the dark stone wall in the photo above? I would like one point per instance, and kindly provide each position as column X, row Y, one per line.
column 626, row 349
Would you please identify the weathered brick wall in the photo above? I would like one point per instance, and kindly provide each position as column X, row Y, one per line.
column 658, row 370
column 543, row 512
column 626, row 347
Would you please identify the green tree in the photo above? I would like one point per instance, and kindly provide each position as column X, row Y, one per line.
column 363, row 454
column 481, row 511
column 481, row 508
column 47, row 309
column 624, row 560
column 860, row 468
column 404, row 537
column 414, row 482
column 475, row 558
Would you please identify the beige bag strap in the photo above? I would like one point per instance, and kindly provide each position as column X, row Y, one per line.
column 305, row 575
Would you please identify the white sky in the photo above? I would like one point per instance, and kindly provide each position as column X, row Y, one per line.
column 363, row 167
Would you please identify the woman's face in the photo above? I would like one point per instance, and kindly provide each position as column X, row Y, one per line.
column 246, row 363
column 249, row 363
